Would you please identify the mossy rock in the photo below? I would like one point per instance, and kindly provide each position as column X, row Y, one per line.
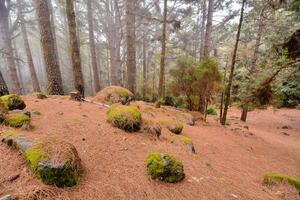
column 275, row 178
column 53, row 161
column 16, row 120
column 41, row 95
column 13, row 102
column 114, row 94
column 151, row 127
column 186, row 118
column 128, row 118
column 173, row 126
column 188, row 141
column 164, row 167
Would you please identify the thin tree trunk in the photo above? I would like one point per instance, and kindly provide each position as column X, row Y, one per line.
column 117, row 36
column 96, row 78
column 207, row 40
column 33, row 76
column 75, row 52
column 222, row 95
column 3, row 86
column 6, row 46
column 202, row 36
column 163, row 53
column 245, row 107
column 54, row 84
column 144, row 70
column 228, row 87
column 131, row 48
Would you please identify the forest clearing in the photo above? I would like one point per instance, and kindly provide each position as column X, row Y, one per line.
column 154, row 100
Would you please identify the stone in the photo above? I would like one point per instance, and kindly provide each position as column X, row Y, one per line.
column 114, row 94
column 151, row 127
column 76, row 96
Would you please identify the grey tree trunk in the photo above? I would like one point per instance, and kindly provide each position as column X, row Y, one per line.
column 96, row 78
column 54, row 80
column 75, row 52
column 131, row 46
column 202, row 33
column 3, row 86
column 207, row 40
column 228, row 87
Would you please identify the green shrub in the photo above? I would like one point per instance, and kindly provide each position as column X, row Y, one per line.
column 211, row 110
column 16, row 120
column 13, row 102
column 164, row 167
column 169, row 101
column 128, row 118
column 273, row 178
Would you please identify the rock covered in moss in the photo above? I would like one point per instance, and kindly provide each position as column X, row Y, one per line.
column 55, row 162
column 164, row 167
column 13, row 102
column 151, row 127
column 16, row 120
column 188, row 141
column 114, row 94
column 186, row 118
column 173, row 125
column 41, row 95
column 125, row 117
column 274, row 178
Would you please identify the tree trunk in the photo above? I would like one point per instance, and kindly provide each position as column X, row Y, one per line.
column 75, row 52
column 245, row 107
column 6, row 46
column 144, row 70
column 228, row 87
column 130, row 42
column 163, row 53
column 222, row 95
column 117, row 36
column 54, row 84
column 202, row 36
column 96, row 78
column 207, row 40
column 3, row 86
column 34, row 79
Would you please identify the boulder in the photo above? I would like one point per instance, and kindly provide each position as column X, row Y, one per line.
column 186, row 118
column 114, row 94
column 13, row 102
column 173, row 125
column 164, row 167
column 188, row 142
column 151, row 127
column 125, row 117
column 55, row 162
column 16, row 120
column 41, row 95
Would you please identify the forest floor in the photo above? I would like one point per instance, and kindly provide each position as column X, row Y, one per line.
column 229, row 163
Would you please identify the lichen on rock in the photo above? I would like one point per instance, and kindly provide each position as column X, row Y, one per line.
column 114, row 94
column 125, row 117
column 13, row 102
column 151, row 127
column 16, row 120
column 164, row 167
column 173, row 125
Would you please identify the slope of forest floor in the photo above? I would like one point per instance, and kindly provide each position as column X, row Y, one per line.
column 229, row 163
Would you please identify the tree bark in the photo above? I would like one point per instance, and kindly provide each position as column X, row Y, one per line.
column 131, row 48
column 6, row 46
column 163, row 53
column 228, row 87
column 207, row 41
column 144, row 70
column 96, row 78
column 202, row 36
column 34, row 79
column 3, row 86
column 54, row 84
column 75, row 52
column 254, row 59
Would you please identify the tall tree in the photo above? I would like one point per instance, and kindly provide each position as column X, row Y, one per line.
column 6, row 44
column 3, row 86
column 54, row 84
column 208, row 32
column 202, row 33
column 75, row 52
column 163, row 52
column 233, row 61
column 96, row 78
column 131, row 48
column 34, row 79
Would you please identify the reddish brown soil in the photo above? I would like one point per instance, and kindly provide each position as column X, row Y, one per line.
column 229, row 163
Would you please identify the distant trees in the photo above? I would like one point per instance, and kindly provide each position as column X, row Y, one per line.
column 75, row 51
column 54, row 84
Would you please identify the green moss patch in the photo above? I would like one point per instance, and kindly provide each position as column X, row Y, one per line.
column 114, row 94
column 211, row 110
column 34, row 155
column 128, row 118
column 16, row 120
column 13, row 102
column 173, row 126
column 164, row 167
column 275, row 178
column 184, row 139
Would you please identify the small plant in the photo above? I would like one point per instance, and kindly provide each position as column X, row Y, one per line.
column 211, row 110
column 128, row 118
column 164, row 167
column 274, row 178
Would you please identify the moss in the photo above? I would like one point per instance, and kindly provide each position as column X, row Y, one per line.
column 125, row 117
column 211, row 110
column 36, row 112
column 9, row 136
column 273, row 178
column 185, row 140
column 34, row 155
column 41, row 95
column 164, row 167
column 13, row 102
column 173, row 126
column 16, row 120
